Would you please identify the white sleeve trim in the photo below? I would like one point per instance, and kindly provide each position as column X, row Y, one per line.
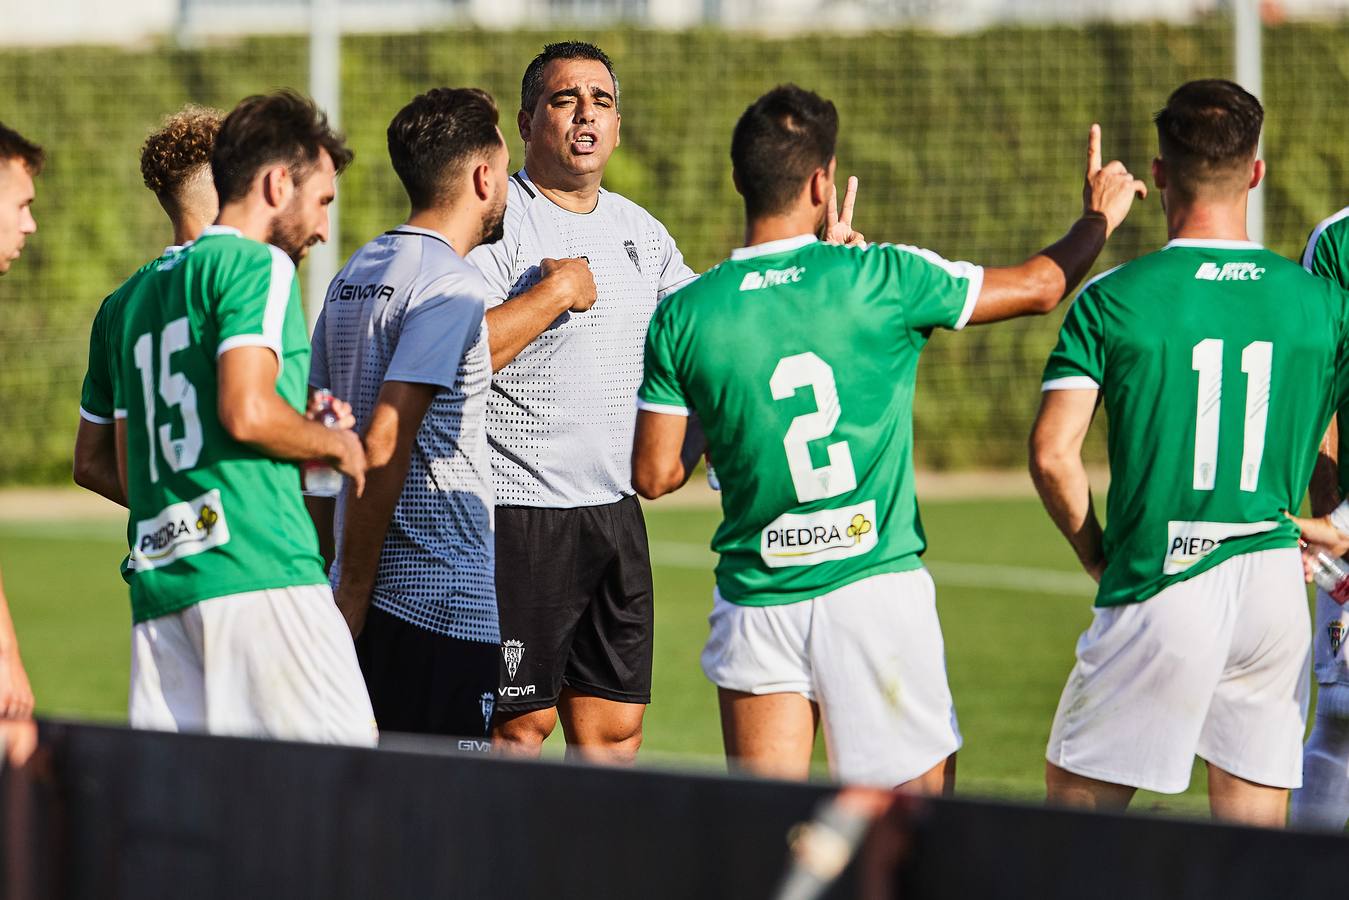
column 971, row 296
column 87, row 416
column 1071, row 383
column 119, row 414
column 974, row 274
column 664, row 409
column 249, row 340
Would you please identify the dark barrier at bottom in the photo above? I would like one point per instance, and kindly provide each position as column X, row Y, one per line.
column 112, row 813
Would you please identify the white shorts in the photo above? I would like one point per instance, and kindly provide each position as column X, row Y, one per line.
column 1330, row 638
column 1215, row 666
column 276, row 663
column 870, row 654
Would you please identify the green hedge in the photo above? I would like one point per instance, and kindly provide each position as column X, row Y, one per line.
column 970, row 145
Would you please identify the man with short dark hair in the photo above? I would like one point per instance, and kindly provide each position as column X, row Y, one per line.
column 176, row 167
column 402, row 334
column 21, row 161
column 573, row 568
column 235, row 630
column 801, row 357
column 1219, row 364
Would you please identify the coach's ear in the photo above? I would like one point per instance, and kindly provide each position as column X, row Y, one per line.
column 522, row 121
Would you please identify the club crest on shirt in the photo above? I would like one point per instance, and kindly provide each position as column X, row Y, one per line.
column 1336, row 632
column 512, row 652
column 632, row 254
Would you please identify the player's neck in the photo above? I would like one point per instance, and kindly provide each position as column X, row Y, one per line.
column 187, row 228
column 574, row 193
column 462, row 234
column 1206, row 220
column 776, row 228
column 255, row 224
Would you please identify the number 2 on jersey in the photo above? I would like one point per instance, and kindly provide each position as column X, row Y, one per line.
column 1257, row 362
column 838, row 476
column 175, row 390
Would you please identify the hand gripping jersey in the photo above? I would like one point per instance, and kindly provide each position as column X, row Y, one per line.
column 407, row 308
column 210, row 516
column 560, row 415
column 1220, row 364
column 800, row 359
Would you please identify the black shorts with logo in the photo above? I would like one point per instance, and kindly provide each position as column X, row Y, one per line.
column 423, row 682
column 575, row 599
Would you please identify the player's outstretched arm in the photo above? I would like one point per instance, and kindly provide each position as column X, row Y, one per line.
column 1059, row 475
column 253, row 413
column 565, row 285
column 657, row 454
column 1037, row 285
column 397, row 415
column 95, row 466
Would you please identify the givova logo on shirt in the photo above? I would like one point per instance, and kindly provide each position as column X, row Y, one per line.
column 1233, row 271
column 754, row 281
column 794, row 539
column 180, row 530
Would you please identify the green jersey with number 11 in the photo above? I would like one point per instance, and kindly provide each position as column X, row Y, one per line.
column 800, row 359
column 1219, row 363
column 210, row 516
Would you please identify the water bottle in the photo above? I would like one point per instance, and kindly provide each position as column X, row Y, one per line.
column 1330, row 573
column 712, row 481
column 319, row 478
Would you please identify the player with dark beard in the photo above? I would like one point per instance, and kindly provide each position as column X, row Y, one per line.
column 402, row 333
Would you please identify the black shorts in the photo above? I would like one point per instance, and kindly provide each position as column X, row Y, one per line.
column 426, row 683
column 575, row 599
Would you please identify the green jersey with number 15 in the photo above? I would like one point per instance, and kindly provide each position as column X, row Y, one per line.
column 1219, row 363
column 800, row 358
column 210, row 516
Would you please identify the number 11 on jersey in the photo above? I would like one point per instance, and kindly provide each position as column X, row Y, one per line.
column 1257, row 362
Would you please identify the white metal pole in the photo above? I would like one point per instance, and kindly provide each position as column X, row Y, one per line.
column 1246, row 35
column 325, row 86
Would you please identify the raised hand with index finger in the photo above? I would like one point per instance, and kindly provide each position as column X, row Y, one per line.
column 1108, row 190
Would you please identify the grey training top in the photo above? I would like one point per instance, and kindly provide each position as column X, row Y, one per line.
column 560, row 416
column 406, row 307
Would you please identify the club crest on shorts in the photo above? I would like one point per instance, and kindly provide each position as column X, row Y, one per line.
column 512, row 652
column 632, row 254
column 486, row 702
column 1336, row 631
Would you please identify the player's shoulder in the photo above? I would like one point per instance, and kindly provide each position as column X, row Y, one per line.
column 1334, row 229
column 226, row 248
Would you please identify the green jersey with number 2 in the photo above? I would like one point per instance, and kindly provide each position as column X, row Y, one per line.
column 800, row 359
column 210, row 516
column 1327, row 255
column 1219, row 363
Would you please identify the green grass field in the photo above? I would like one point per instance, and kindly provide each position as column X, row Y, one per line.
column 1011, row 598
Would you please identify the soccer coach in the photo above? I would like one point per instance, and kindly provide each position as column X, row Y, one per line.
column 573, row 569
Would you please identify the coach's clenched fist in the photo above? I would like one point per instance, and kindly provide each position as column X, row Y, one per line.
column 573, row 279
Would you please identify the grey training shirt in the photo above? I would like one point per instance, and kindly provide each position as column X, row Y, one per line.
column 560, row 416
column 406, row 307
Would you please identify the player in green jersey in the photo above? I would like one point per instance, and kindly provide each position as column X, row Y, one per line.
column 1218, row 363
column 1323, row 799
column 800, row 358
column 235, row 627
column 176, row 167
column 20, row 162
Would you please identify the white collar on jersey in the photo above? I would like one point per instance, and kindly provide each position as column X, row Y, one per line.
column 779, row 246
column 1212, row 244
column 220, row 229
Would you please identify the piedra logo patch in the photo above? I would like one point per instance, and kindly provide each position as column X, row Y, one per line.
column 811, row 538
